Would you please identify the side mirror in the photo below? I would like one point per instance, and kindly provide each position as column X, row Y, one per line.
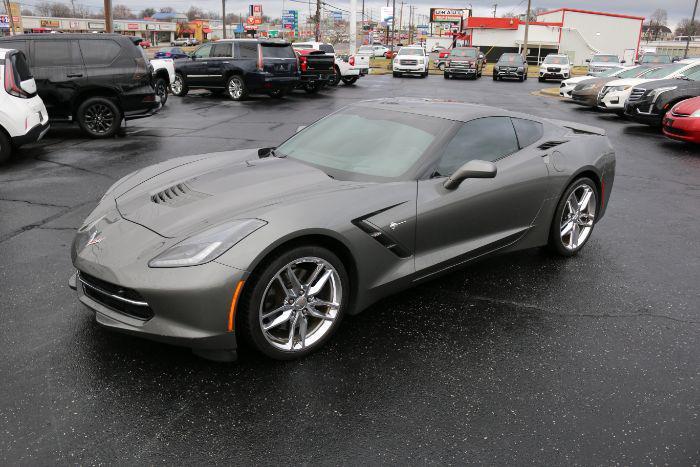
column 299, row 128
column 623, row 61
column 676, row 59
column 471, row 169
column 588, row 60
column 28, row 86
column 265, row 152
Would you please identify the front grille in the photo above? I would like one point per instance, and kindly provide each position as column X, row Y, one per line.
column 675, row 131
column 554, row 69
column 636, row 94
column 178, row 195
column 550, row 144
column 120, row 299
column 408, row 62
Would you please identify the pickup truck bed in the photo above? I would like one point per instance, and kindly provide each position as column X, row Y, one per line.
column 316, row 69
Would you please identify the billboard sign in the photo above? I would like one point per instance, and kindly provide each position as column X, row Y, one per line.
column 4, row 22
column 290, row 19
column 447, row 15
column 256, row 10
column 387, row 14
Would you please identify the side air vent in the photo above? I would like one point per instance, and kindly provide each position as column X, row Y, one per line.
column 381, row 237
column 550, row 144
column 177, row 195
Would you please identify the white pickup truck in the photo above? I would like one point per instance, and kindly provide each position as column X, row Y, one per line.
column 348, row 69
column 163, row 75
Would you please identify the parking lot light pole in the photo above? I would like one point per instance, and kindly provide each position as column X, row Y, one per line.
column 527, row 28
column 223, row 19
column 109, row 27
column 692, row 30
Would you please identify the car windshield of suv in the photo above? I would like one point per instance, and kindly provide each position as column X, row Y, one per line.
column 552, row 60
column 655, row 59
column 277, row 51
column 614, row 71
column 360, row 143
column 469, row 53
column 663, row 71
column 302, row 46
column 694, row 75
column 411, row 51
column 605, row 58
column 511, row 58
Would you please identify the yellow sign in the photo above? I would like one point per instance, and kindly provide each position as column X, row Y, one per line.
column 50, row 23
column 16, row 12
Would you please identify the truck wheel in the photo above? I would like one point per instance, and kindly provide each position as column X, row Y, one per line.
column 445, row 75
column 312, row 88
column 235, row 87
column 349, row 81
column 5, row 148
column 441, row 67
column 335, row 79
column 99, row 117
column 179, row 87
column 540, row 79
column 161, row 88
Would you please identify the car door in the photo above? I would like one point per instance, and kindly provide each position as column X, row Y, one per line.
column 219, row 60
column 197, row 68
column 59, row 73
column 480, row 215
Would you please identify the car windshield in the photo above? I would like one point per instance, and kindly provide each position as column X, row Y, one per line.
column 277, row 51
column 605, row 58
column 365, row 48
column 615, row 71
column 695, row 76
column 360, row 143
column 663, row 71
column 556, row 60
column 302, row 46
column 411, row 51
column 470, row 53
column 655, row 59
column 511, row 58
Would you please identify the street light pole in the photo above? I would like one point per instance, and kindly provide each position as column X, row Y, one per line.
column 692, row 29
column 223, row 18
column 353, row 26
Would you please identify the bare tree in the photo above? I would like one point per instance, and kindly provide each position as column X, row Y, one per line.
column 194, row 13
column 656, row 24
column 27, row 12
column 120, row 11
column 167, row 9
column 685, row 28
column 147, row 12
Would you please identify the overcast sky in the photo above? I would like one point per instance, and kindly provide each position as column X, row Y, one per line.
column 677, row 9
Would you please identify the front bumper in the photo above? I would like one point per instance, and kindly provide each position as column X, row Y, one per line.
column 33, row 135
column 554, row 74
column 644, row 111
column 612, row 102
column 263, row 81
column 566, row 90
column 501, row 73
column 418, row 69
column 461, row 71
column 682, row 128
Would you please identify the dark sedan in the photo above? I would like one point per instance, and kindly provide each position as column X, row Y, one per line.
column 649, row 102
column 170, row 52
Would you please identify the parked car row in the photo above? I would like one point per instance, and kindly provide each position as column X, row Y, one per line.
column 664, row 95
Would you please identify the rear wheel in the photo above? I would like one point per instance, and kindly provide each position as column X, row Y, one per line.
column 5, row 148
column 161, row 88
column 295, row 302
column 99, row 117
column 574, row 218
column 335, row 79
column 350, row 80
column 441, row 66
column 235, row 87
column 178, row 86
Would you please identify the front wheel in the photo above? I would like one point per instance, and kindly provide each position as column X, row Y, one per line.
column 495, row 77
column 235, row 87
column 441, row 66
column 99, row 117
column 335, row 79
column 179, row 87
column 161, row 88
column 446, row 75
column 540, row 79
column 5, row 148
column 574, row 218
column 294, row 303
column 397, row 74
column 350, row 80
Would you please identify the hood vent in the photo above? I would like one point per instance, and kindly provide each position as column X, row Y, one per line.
column 380, row 236
column 550, row 144
column 178, row 195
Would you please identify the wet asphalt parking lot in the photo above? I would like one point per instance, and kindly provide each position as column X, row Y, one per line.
column 519, row 359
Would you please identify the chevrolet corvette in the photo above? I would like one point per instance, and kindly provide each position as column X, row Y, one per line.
column 273, row 246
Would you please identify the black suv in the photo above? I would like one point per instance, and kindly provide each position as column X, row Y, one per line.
column 649, row 102
column 94, row 79
column 510, row 65
column 238, row 67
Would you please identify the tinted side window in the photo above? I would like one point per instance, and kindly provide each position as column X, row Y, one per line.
column 248, row 50
column 54, row 53
column 21, row 66
column 203, row 52
column 327, row 48
column 99, row 52
column 19, row 45
column 221, row 49
column 276, row 51
column 528, row 131
column 486, row 139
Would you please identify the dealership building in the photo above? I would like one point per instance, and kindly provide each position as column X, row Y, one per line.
column 577, row 33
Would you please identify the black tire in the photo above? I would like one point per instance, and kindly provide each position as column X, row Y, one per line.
column 247, row 317
column 540, row 79
column 236, row 88
column 441, row 66
column 424, row 74
column 521, row 78
column 445, row 75
column 349, row 81
column 99, row 117
column 5, row 148
column 179, row 86
column 555, row 243
column 161, row 88
column 495, row 77
column 277, row 93
column 335, row 80
column 525, row 75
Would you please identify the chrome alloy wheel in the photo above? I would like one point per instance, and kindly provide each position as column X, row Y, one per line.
column 176, row 85
column 300, row 304
column 235, row 88
column 577, row 217
column 99, row 118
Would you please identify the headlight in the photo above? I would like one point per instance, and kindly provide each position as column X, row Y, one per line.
column 207, row 245
column 521, row 68
column 421, row 61
column 696, row 114
column 620, row 88
column 586, row 87
column 495, row 68
column 655, row 93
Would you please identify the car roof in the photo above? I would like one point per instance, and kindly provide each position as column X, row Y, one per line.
column 53, row 37
column 439, row 108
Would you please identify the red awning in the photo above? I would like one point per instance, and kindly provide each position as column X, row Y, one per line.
column 40, row 29
column 206, row 30
column 186, row 31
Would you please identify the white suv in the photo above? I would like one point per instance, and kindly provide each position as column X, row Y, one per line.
column 555, row 66
column 23, row 116
column 411, row 60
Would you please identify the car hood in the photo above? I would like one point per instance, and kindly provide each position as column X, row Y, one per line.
column 578, row 79
column 191, row 194
column 687, row 106
column 627, row 82
column 681, row 83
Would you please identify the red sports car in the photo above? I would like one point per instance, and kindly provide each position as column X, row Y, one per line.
column 683, row 121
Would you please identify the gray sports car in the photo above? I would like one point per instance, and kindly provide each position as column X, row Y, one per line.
column 275, row 245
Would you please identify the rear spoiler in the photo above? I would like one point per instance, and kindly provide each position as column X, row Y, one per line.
column 579, row 127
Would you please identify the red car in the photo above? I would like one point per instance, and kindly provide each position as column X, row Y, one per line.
column 683, row 121
column 145, row 43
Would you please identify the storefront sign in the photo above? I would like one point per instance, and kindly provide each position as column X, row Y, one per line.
column 387, row 14
column 4, row 22
column 132, row 26
column 96, row 25
column 256, row 10
column 151, row 27
column 447, row 15
column 50, row 23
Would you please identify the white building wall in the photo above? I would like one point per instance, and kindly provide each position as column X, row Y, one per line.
column 514, row 37
column 607, row 34
column 553, row 17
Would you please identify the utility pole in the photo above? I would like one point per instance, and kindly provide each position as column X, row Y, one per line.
column 495, row 5
column 353, row 26
column 400, row 20
column 223, row 18
column 393, row 26
column 8, row 8
column 318, row 21
column 109, row 27
column 692, row 30
column 527, row 28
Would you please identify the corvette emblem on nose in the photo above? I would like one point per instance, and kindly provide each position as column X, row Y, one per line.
column 95, row 238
